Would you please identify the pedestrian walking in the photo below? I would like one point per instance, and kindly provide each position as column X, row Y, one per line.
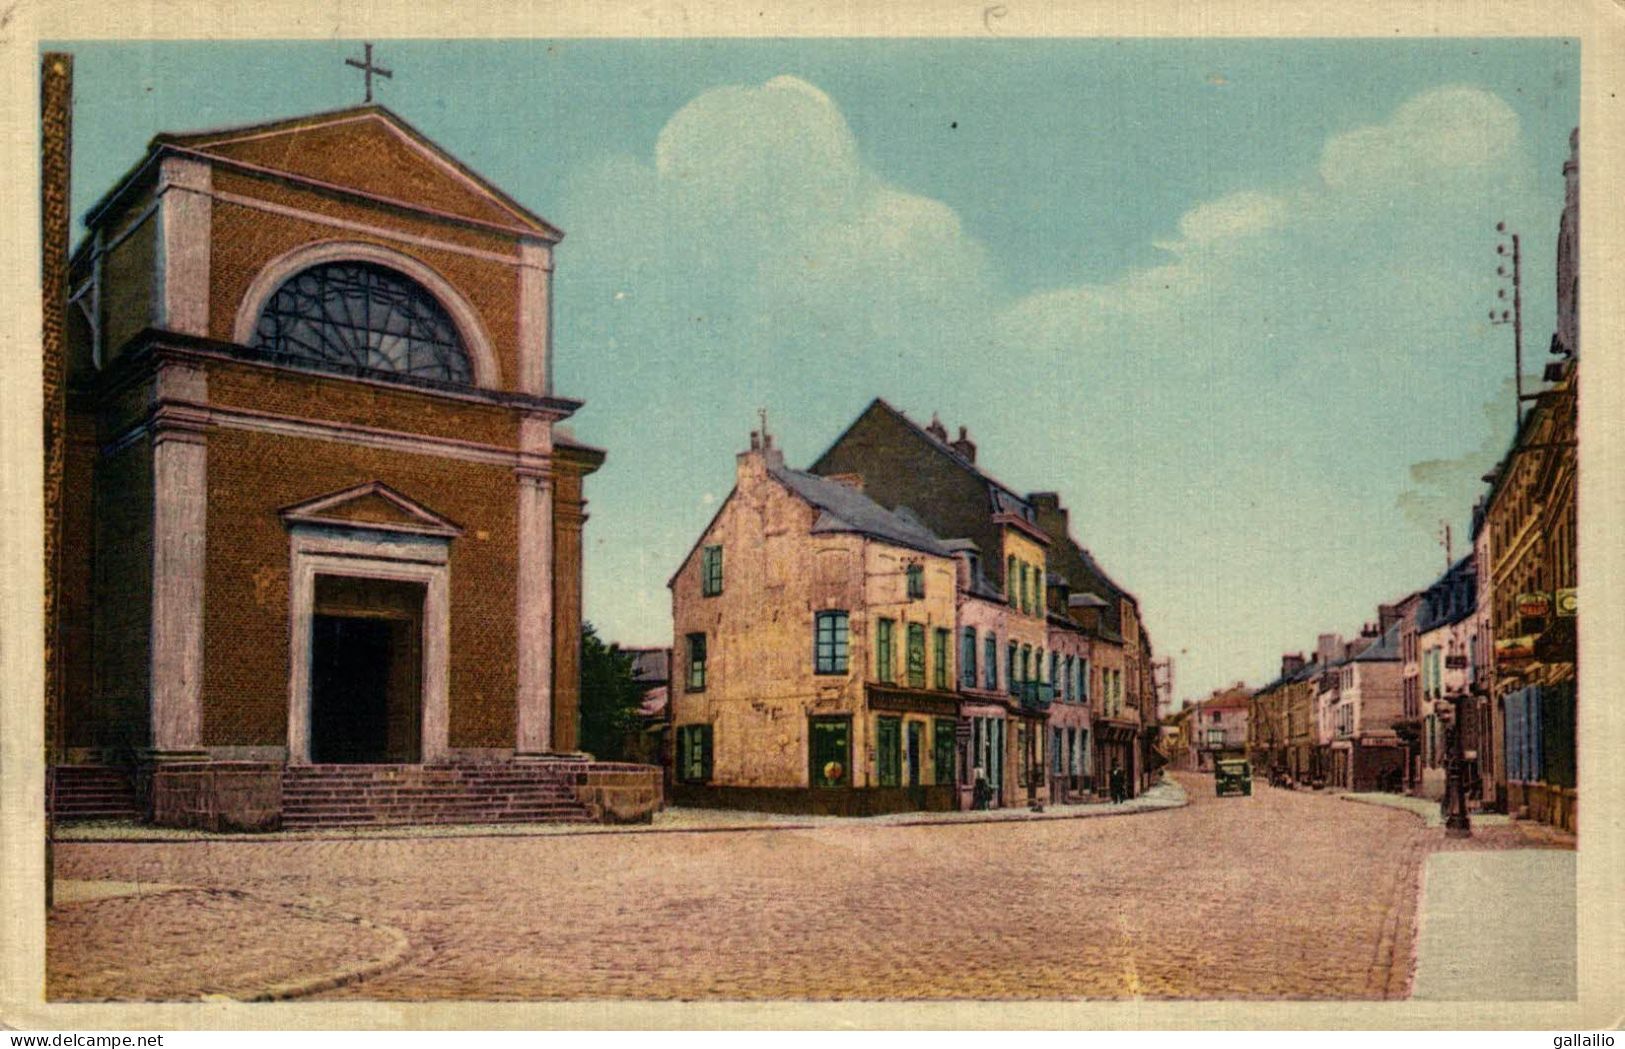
column 981, row 791
column 1119, row 784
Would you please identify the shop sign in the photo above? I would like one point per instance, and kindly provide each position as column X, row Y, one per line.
column 1514, row 651
column 1568, row 601
column 1534, row 606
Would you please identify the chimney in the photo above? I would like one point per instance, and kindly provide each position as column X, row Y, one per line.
column 852, row 481
column 1291, row 664
column 937, row 430
column 751, row 465
column 1328, row 648
column 965, row 446
column 1049, row 503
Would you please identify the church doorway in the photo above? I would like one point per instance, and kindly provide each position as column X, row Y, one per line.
column 366, row 671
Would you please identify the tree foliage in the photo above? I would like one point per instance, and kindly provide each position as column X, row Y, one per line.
column 610, row 698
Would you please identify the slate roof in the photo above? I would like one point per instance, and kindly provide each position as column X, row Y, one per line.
column 1452, row 598
column 1001, row 497
column 650, row 664
column 1386, row 649
column 844, row 509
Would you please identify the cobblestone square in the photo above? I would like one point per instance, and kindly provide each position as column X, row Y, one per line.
column 1280, row 894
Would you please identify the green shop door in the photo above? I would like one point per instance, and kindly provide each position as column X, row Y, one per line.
column 889, row 751
column 942, row 741
column 830, row 752
column 916, row 751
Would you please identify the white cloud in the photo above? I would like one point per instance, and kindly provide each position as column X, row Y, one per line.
column 1238, row 215
column 1437, row 135
column 1291, row 330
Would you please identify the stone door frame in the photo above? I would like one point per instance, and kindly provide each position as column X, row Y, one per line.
column 363, row 553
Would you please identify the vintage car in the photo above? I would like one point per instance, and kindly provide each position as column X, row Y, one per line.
column 1233, row 776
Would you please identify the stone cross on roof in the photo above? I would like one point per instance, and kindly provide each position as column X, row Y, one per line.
column 366, row 66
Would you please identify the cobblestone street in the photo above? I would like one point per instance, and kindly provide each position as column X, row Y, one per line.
column 1279, row 894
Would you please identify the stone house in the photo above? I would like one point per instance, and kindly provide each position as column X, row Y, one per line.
column 1219, row 726
column 1446, row 635
column 1267, row 735
column 815, row 657
column 904, row 465
column 1288, row 736
column 1070, row 714
column 1410, row 725
column 1116, row 672
column 1365, row 750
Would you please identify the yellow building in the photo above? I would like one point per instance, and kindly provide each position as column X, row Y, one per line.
column 1527, row 536
column 814, row 643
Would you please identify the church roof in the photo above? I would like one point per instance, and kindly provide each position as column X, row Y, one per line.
column 400, row 166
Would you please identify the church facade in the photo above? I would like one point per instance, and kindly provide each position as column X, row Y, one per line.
column 318, row 508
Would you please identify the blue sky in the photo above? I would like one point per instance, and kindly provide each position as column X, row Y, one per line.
column 1227, row 297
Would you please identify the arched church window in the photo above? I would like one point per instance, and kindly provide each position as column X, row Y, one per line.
column 360, row 316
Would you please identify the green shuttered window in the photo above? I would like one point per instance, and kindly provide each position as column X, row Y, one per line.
column 694, row 753
column 711, row 571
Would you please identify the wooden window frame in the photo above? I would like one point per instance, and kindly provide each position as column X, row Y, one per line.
column 695, row 679
column 839, row 660
column 885, row 656
column 711, row 570
column 914, row 645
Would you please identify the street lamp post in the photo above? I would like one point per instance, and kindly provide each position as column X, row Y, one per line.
column 1457, row 824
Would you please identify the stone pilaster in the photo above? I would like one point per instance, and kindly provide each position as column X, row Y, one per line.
column 534, row 698
column 185, row 215
column 568, row 522
column 180, row 515
column 535, row 318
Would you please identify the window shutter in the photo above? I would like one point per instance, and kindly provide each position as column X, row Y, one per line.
column 705, row 753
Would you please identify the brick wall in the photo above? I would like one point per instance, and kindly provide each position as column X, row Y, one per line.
column 123, row 602
column 76, row 604
column 371, row 158
column 307, row 396
column 898, row 468
column 251, row 476
column 128, row 286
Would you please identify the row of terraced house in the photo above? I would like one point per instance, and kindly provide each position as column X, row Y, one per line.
column 893, row 629
column 1487, row 652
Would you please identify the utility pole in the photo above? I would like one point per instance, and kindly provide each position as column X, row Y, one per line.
column 1513, row 316
column 1444, row 540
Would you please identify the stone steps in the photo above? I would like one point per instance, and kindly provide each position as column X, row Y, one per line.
column 93, row 792
column 377, row 795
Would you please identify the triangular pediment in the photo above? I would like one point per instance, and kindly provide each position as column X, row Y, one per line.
column 373, row 505
column 370, row 150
